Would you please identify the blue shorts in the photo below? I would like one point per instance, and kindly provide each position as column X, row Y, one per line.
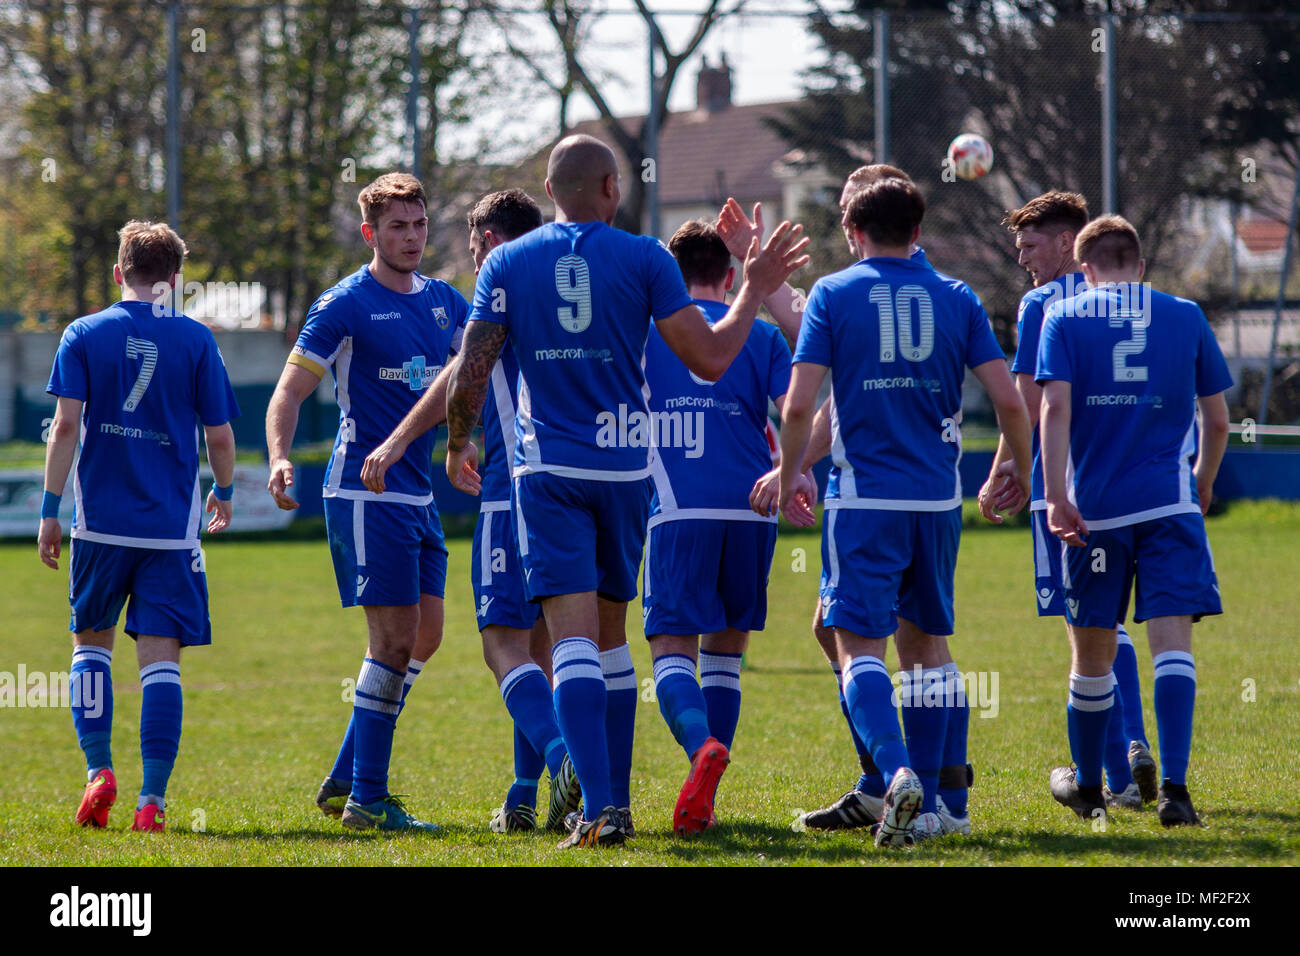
column 878, row 566
column 168, row 591
column 578, row 534
column 1168, row 558
column 497, row 575
column 706, row 575
column 385, row 553
column 1047, row 567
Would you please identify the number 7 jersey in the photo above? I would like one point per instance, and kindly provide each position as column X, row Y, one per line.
column 144, row 379
column 897, row 337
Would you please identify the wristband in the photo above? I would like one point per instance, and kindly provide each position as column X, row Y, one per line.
column 50, row 505
column 223, row 494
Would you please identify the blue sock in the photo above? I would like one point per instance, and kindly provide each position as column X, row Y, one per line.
column 954, row 744
column 91, row 687
column 1118, row 773
column 1130, row 688
column 527, row 696
column 925, row 720
column 580, row 710
column 528, row 770
column 160, row 727
column 1086, row 717
column 681, row 701
column 342, row 769
column 1175, row 699
column 869, row 694
column 720, row 681
column 871, row 781
column 375, row 708
column 620, row 720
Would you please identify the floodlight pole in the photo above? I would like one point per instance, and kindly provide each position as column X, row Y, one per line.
column 651, row 185
column 880, row 37
column 173, row 135
column 1109, row 161
column 413, row 88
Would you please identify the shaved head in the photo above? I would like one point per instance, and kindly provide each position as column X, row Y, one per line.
column 578, row 167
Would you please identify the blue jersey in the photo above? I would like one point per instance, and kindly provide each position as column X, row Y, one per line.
column 897, row 337
column 712, row 436
column 499, row 432
column 1136, row 361
column 144, row 379
column 577, row 299
column 385, row 348
column 1029, row 327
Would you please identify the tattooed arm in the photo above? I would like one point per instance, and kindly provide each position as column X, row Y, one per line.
column 465, row 396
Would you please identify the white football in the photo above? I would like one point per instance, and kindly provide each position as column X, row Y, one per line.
column 971, row 155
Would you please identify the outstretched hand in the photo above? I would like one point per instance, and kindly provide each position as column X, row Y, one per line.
column 767, row 269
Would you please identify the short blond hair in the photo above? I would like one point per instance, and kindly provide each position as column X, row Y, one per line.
column 386, row 190
column 1108, row 243
column 149, row 252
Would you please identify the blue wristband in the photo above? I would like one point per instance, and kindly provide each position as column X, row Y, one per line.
column 223, row 494
column 50, row 505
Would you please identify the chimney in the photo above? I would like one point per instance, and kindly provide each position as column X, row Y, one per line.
column 713, row 86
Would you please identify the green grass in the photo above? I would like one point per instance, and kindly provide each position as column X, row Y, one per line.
column 264, row 713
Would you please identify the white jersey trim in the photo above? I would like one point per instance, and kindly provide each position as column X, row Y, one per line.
column 893, row 504
column 709, row 514
column 589, row 474
column 155, row 544
column 392, row 497
column 1137, row 517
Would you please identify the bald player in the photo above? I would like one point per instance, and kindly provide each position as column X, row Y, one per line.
column 575, row 299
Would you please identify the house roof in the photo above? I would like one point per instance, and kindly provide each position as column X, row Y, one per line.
column 1262, row 235
column 706, row 156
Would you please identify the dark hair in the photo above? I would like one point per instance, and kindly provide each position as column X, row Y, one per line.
column 1053, row 212
column 887, row 210
column 508, row 212
column 1108, row 243
column 149, row 252
column 700, row 252
column 389, row 188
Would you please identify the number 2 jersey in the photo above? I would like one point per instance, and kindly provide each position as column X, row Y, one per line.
column 1136, row 361
column 385, row 349
column 577, row 299
column 898, row 338
column 147, row 381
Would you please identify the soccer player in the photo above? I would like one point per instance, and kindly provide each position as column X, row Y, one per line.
column 1124, row 369
column 1045, row 229
column 896, row 337
column 384, row 331
column 575, row 299
column 131, row 380
column 516, row 645
column 708, row 555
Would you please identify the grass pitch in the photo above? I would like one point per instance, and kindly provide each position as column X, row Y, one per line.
column 264, row 712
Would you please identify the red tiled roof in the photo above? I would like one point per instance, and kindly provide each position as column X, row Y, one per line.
column 1262, row 235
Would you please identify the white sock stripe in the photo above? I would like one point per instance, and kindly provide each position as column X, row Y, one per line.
column 382, row 706
column 673, row 664
column 1173, row 657
column 517, row 674
column 1122, row 637
column 719, row 663
column 1092, row 686
column 861, row 667
column 92, row 652
column 575, row 649
column 952, row 668
column 1176, row 670
column 580, row 670
column 379, row 682
column 160, row 667
column 723, row 681
column 1091, row 705
column 616, row 660
column 161, row 677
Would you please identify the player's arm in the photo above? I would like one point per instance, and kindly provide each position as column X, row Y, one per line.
column 1014, row 423
column 298, row 380
column 1214, row 442
column 1063, row 518
column 466, row 393
column 796, row 428
column 1000, row 491
column 707, row 350
column 785, row 304
column 429, row 412
column 59, row 454
column 765, row 495
column 220, row 440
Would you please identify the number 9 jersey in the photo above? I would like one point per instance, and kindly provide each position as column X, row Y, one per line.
column 143, row 377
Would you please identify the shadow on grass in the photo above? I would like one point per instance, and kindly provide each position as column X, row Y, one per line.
column 1005, row 847
column 463, row 835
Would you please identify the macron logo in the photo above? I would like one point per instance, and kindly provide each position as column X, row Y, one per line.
column 361, row 584
column 384, row 316
column 1072, row 605
column 75, row 909
column 1044, row 597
